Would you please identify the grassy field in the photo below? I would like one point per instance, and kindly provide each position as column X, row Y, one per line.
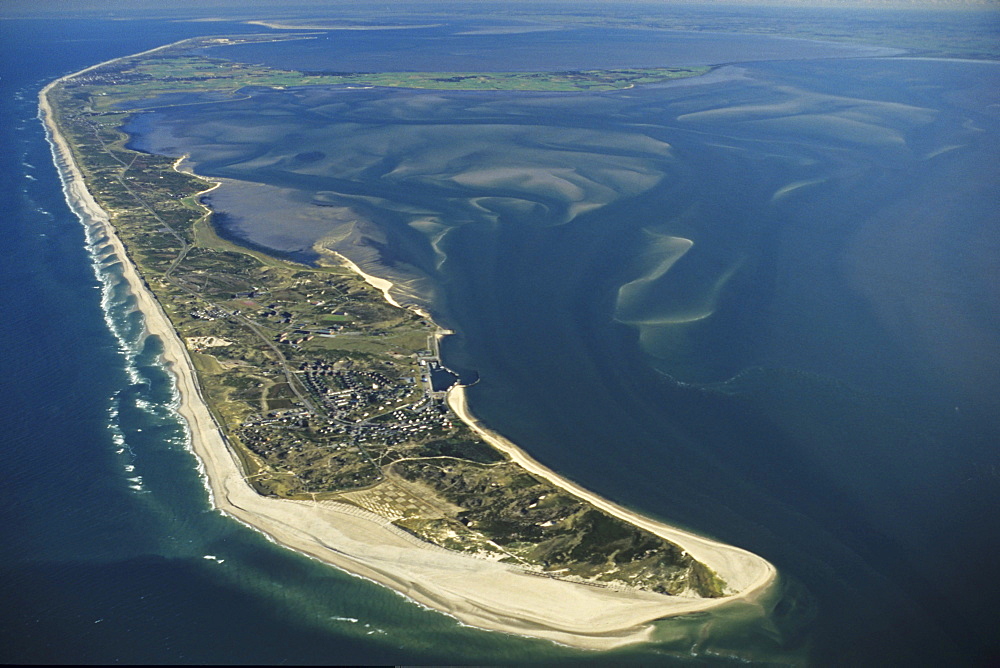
column 163, row 78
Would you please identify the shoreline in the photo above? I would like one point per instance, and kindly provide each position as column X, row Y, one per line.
column 381, row 284
column 480, row 593
column 751, row 574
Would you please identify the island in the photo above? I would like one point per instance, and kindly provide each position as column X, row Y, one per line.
column 320, row 408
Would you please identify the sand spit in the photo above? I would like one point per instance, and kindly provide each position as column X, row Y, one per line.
column 380, row 284
column 743, row 571
column 333, row 25
column 477, row 592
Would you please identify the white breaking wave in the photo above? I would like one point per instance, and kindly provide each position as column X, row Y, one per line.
column 120, row 316
column 118, row 440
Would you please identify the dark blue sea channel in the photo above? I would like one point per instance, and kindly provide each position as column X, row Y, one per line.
column 762, row 306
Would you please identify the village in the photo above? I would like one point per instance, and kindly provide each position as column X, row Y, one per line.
column 341, row 384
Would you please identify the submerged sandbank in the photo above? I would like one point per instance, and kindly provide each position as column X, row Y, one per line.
column 477, row 592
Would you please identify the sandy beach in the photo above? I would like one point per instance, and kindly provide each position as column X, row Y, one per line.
column 380, row 284
column 744, row 572
column 477, row 592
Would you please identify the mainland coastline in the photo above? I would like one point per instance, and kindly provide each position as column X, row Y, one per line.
column 477, row 592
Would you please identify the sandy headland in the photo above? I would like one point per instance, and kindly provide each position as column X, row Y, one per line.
column 477, row 592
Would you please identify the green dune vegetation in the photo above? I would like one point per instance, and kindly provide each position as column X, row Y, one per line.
column 320, row 386
column 177, row 70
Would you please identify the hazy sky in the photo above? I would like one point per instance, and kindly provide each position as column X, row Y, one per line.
column 271, row 7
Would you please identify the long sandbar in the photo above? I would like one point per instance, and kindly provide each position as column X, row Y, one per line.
column 477, row 592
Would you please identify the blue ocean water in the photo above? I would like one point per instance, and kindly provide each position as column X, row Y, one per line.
column 805, row 433
column 110, row 551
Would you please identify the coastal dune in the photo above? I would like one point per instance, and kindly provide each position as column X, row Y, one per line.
column 743, row 571
column 477, row 592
